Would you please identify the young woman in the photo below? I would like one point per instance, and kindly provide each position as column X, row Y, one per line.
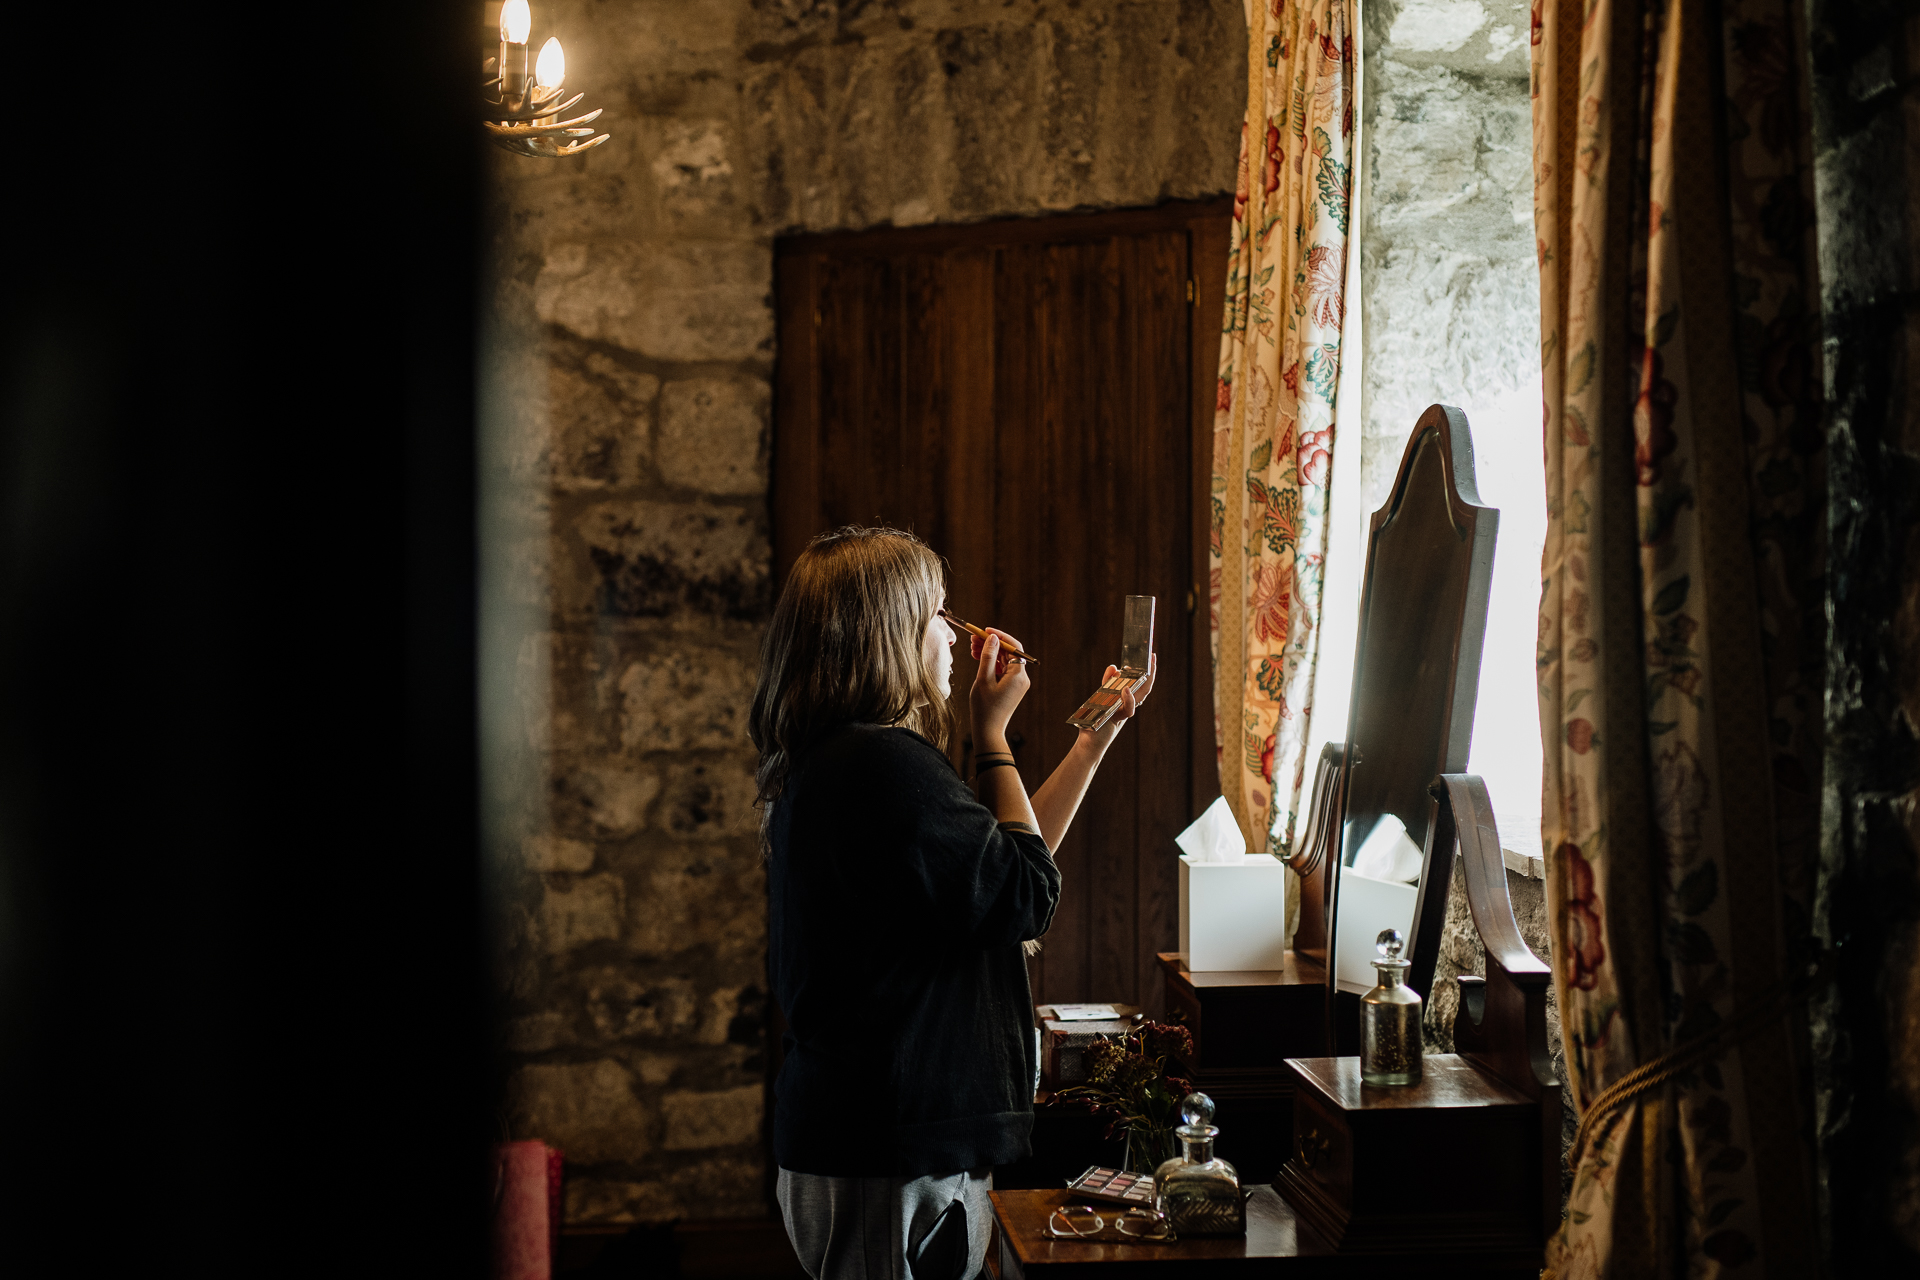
column 901, row 909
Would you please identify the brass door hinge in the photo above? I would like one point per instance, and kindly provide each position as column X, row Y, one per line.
column 1189, row 292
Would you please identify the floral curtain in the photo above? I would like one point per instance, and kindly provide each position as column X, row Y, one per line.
column 1681, row 633
column 1274, row 425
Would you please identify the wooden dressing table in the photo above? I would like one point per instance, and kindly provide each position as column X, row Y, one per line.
column 1456, row 1176
column 1277, row 1243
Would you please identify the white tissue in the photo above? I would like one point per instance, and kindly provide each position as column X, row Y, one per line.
column 1215, row 836
column 1389, row 852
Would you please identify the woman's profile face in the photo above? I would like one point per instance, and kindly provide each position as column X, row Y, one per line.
column 936, row 646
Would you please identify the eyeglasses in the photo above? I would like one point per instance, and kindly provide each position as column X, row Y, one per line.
column 1079, row 1222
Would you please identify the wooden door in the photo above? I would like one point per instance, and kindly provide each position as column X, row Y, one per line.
column 1035, row 400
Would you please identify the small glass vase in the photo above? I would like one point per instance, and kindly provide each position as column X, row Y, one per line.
column 1198, row 1192
column 1390, row 1039
column 1148, row 1149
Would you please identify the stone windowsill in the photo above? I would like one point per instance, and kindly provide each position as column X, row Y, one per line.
column 1523, row 864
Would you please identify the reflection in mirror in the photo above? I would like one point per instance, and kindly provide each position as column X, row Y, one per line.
column 1423, row 610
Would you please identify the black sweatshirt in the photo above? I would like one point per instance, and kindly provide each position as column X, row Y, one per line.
column 898, row 908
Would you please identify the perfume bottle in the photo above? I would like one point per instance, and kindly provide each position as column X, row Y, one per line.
column 1198, row 1192
column 1390, row 1043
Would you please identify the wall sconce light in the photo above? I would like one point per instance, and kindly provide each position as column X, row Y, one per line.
column 525, row 117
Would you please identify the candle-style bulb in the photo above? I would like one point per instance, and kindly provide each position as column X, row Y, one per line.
column 516, row 20
column 551, row 69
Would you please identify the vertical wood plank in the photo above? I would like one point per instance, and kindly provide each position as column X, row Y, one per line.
column 1211, row 239
column 1017, row 585
column 1163, row 743
column 793, row 475
column 1062, row 562
column 1109, row 422
column 876, row 432
column 841, row 383
column 965, row 473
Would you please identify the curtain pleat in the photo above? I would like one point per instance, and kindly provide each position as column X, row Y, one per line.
column 1679, row 626
column 1280, row 356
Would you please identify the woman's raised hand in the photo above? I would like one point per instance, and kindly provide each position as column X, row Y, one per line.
column 998, row 687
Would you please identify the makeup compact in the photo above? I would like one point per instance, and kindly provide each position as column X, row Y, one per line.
column 1136, row 659
column 1114, row 1186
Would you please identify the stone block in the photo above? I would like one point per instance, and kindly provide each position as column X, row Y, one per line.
column 734, row 1015
column 625, row 1007
column 728, row 1118
column 594, row 1201
column 692, row 169
column 554, row 676
column 590, row 909
column 1480, row 37
column 597, row 429
column 602, row 799
column 687, row 30
column 713, row 435
column 703, row 898
column 635, row 388
column 722, row 1187
column 1454, row 328
column 556, row 853
column 655, row 1068
column 660, row 559
column 537, row 1032
column 1425, row 139
column 665, row 299
column 711, row 799
column 525, row 572
column 684, row 695
column 587, row 1109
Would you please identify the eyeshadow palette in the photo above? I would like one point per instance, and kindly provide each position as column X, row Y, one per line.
column 1136, row 660
column 1114, row 1187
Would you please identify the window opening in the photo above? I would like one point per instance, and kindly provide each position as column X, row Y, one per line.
column 1444, row 307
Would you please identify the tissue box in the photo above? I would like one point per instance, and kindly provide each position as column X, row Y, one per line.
column 1233, row 915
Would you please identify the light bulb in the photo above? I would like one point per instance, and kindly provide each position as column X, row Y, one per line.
column 516, row 20
column 551, row 69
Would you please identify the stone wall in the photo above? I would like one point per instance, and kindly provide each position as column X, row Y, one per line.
column 626, row 566
column 1866, row 113
column 1450, row 290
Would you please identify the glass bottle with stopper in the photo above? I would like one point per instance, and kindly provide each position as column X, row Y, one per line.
column 1390, row 1041
column 1198, row 1192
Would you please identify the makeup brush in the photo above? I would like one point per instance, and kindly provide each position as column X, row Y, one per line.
column 1006, row 648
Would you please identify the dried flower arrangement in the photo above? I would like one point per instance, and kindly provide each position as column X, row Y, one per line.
column 1128, row 1081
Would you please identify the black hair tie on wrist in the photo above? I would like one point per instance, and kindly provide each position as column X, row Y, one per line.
column 993, row 764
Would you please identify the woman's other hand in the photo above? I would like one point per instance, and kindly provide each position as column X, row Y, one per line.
column 997, row 689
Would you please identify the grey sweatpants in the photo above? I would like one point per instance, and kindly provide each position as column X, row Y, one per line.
column 932, row 1228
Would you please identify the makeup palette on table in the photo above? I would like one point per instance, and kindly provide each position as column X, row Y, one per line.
column 1114, row 1187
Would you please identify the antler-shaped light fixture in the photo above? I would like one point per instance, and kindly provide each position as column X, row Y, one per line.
column 525, row 118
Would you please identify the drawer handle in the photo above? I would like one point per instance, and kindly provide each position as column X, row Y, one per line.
column 1312, row 1147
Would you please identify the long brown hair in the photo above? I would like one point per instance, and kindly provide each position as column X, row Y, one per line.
column 847, row 647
